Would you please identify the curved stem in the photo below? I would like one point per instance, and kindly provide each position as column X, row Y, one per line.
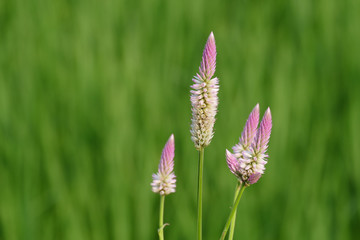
column 161, row 218
column 233, row 210
column 199, row 190
column 232, row 226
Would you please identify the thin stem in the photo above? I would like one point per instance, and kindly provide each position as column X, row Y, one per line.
column 233, row 210
column 232, row 226
column 161, row 218
column 200, row 182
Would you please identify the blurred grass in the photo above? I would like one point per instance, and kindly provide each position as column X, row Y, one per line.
column 91, row 90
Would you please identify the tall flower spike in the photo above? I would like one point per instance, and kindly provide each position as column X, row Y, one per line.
column 164, row 180
column 252, row 158
column 248, row 133
column 204, row 99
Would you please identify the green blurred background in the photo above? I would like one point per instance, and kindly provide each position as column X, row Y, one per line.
column 91, row 90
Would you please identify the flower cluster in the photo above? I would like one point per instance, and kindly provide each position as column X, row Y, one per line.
column 249, row 158
column 164, row 180
column 204, row 99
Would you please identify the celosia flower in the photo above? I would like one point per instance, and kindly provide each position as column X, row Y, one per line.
column 249, row 158
column 204, row 98
column 164, row 180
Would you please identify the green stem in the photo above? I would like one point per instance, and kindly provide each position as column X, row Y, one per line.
column 161, row 218
column 200, row 182
column 232, row 226
column 233, row 211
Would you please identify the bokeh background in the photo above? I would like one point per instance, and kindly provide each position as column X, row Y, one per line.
column 91, row 90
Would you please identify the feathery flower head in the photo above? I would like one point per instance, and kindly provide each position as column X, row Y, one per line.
column 249, row 158
column 164, row 180
column 204, row 99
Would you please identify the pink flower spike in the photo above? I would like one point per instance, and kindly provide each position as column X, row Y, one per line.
column 208, row 63
column 164, row 180
column 204, row 99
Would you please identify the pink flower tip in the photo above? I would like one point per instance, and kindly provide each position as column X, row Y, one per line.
column 268, row 114
column 211, row 36
column 168, row 153
column 208, row 63
column 250, row 128
column 264, row 132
